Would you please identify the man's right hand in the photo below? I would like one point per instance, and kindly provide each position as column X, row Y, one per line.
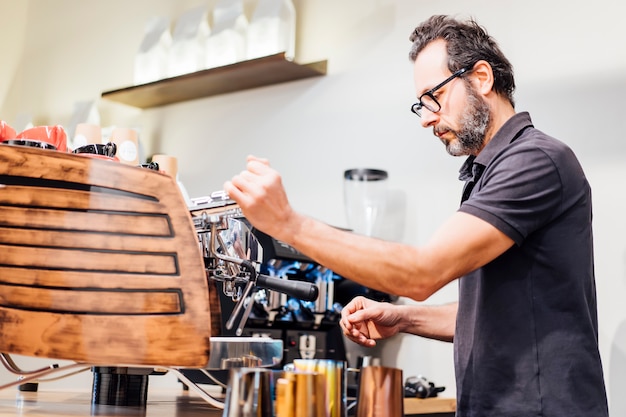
column 364, row 321
column 259, row 192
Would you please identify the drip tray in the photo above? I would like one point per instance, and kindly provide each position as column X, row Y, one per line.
column 238, row 352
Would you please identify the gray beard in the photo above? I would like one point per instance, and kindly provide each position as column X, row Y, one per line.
column 474, row 122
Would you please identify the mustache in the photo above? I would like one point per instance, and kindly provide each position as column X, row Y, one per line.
column 438, row 130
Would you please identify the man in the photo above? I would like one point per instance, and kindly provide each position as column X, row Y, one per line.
column 525, row 327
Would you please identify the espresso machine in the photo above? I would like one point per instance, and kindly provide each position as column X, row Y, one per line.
column 267, row 288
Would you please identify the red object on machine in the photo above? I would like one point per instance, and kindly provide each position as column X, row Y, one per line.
column 6, row 131
column 54, row 135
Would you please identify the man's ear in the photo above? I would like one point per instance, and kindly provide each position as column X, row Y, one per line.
column 482, row 77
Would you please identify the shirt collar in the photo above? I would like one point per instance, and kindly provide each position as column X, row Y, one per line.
column 509, row 131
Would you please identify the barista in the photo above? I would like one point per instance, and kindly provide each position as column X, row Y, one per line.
column 525, row 327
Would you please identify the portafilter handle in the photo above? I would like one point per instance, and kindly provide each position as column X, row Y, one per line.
column 305, row 291
column 299, row 289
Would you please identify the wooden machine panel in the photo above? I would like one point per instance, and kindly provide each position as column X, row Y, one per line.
column 99, row 262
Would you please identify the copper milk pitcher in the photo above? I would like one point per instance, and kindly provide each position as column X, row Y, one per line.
column 381, row 393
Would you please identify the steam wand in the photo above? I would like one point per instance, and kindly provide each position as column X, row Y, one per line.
column 248, row 295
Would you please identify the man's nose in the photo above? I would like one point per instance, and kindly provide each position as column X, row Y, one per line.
column 428, row 117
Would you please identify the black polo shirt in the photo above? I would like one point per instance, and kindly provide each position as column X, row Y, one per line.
column 526, row 341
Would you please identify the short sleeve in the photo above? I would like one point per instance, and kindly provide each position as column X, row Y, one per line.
column 518, row 193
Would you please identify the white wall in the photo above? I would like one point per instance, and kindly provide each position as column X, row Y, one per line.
column 570, row 65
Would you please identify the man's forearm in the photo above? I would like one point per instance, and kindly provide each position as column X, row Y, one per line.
column 432, row 322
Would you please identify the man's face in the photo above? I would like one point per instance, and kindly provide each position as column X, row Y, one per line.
column 464, row 117
column 473, row 124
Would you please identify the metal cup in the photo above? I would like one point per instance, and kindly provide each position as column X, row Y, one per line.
column 381, row 393
column 334, row 375
column 301, row 394
column 109, row 149
column 249, row 393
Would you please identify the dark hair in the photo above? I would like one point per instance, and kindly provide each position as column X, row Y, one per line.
column 467, row 43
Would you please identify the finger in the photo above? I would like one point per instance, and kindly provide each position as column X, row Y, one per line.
column 244, row 182
column 346, row 332
column 355, row 336
column 362, row 339
column 258, row 167
column 257, row 159
column 230, row 188
column 353, row 331
column 352, row 306
column 369, row 343
column 359, row 316
column 227, row 187
column 240, row 187
column 347, row 326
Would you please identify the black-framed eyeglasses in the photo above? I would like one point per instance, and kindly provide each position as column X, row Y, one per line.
column 428, row 100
